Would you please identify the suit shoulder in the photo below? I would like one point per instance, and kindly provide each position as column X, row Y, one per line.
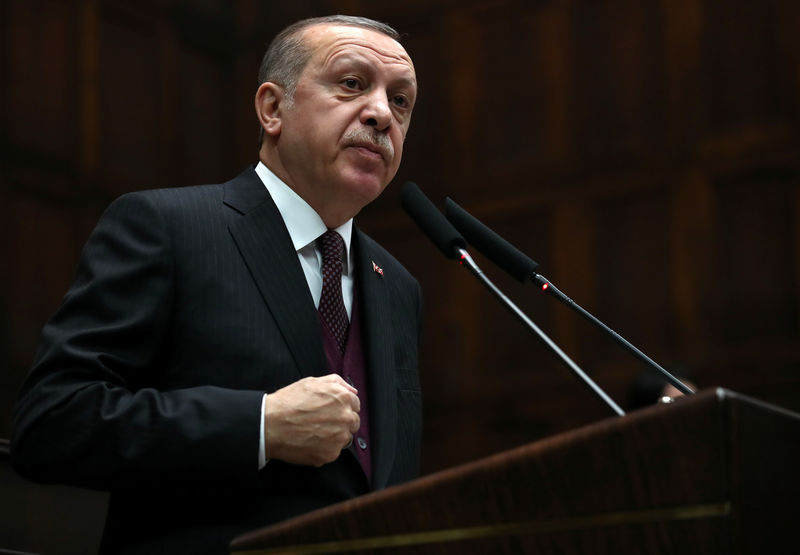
column 165, row 204
column 174, row 195
column 198, row 197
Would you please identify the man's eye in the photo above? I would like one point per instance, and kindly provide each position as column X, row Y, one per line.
column 400, row 101
column 350, row 83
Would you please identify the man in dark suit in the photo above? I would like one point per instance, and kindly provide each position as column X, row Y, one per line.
column 231, row 355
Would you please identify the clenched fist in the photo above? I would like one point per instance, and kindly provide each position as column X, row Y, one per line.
column 310, row 421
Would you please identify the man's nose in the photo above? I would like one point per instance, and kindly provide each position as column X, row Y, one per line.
column 376, row 112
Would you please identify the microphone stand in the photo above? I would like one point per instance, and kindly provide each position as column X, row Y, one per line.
column 548, row 287
column 467, row 261
column 516, row 263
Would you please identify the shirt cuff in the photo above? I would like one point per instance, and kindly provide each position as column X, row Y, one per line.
column 262, row 449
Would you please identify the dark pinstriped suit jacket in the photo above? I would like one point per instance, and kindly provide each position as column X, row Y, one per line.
column 188, row 305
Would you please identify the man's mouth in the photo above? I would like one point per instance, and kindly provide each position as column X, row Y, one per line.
column 370, row 150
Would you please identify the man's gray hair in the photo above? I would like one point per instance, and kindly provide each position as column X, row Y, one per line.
column 288, row 54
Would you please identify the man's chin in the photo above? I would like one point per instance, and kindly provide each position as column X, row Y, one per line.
column 364, row 187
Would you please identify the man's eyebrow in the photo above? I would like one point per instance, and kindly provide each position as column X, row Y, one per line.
column 360, row 63
column 409, row 82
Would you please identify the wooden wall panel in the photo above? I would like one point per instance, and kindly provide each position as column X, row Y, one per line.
column 741, row 63
column 204, row 120
column 755, row 264
column 128, row 93
column 693, row 240
column 463, row 96
column 681, row 33
column 41, row 61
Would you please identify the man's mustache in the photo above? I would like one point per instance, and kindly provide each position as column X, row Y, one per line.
column 371, row 139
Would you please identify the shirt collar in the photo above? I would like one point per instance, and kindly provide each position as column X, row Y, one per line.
column 302, row 221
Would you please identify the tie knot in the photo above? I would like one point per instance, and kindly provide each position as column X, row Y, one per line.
column 332, row 247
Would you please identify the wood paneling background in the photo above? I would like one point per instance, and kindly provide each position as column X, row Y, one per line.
column 647, row 154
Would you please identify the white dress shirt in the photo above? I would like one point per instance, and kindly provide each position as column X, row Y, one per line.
column 305, row 226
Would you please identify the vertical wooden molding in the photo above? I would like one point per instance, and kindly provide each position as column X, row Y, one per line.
column 245, row 65
column 465, row 93
column 89, row 88
column 692, row 244
column 554, row 42
column 631, row 71
column 682, row 42
column 169, row 137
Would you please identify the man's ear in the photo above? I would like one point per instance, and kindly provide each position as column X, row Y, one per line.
column 269, row 101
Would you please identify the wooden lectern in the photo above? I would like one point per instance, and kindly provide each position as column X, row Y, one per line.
column 711, row 473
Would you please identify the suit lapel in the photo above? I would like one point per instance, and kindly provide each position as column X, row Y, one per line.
column 376, row 337
column 265, row 246
column 264, row 243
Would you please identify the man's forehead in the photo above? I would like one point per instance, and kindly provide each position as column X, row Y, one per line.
column 328, row 39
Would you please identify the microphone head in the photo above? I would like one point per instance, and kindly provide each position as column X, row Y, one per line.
column 431, row 221
column 497, row 249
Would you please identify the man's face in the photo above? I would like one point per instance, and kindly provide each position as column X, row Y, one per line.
column 341, row 138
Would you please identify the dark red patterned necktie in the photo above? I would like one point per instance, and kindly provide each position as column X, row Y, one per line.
column 331, row 303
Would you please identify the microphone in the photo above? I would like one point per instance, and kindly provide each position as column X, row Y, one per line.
column 452, row 245
column 519, row 265
column 430, row 221
column 496, row 249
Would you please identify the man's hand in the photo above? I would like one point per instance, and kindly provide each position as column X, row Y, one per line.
column 310, row 421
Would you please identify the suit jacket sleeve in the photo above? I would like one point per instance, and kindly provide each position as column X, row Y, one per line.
column 87, row 414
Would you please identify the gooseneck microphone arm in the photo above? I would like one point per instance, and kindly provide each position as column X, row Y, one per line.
column 548, row 287
column 467, row 261
column 452, row 245
column 519, row 265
